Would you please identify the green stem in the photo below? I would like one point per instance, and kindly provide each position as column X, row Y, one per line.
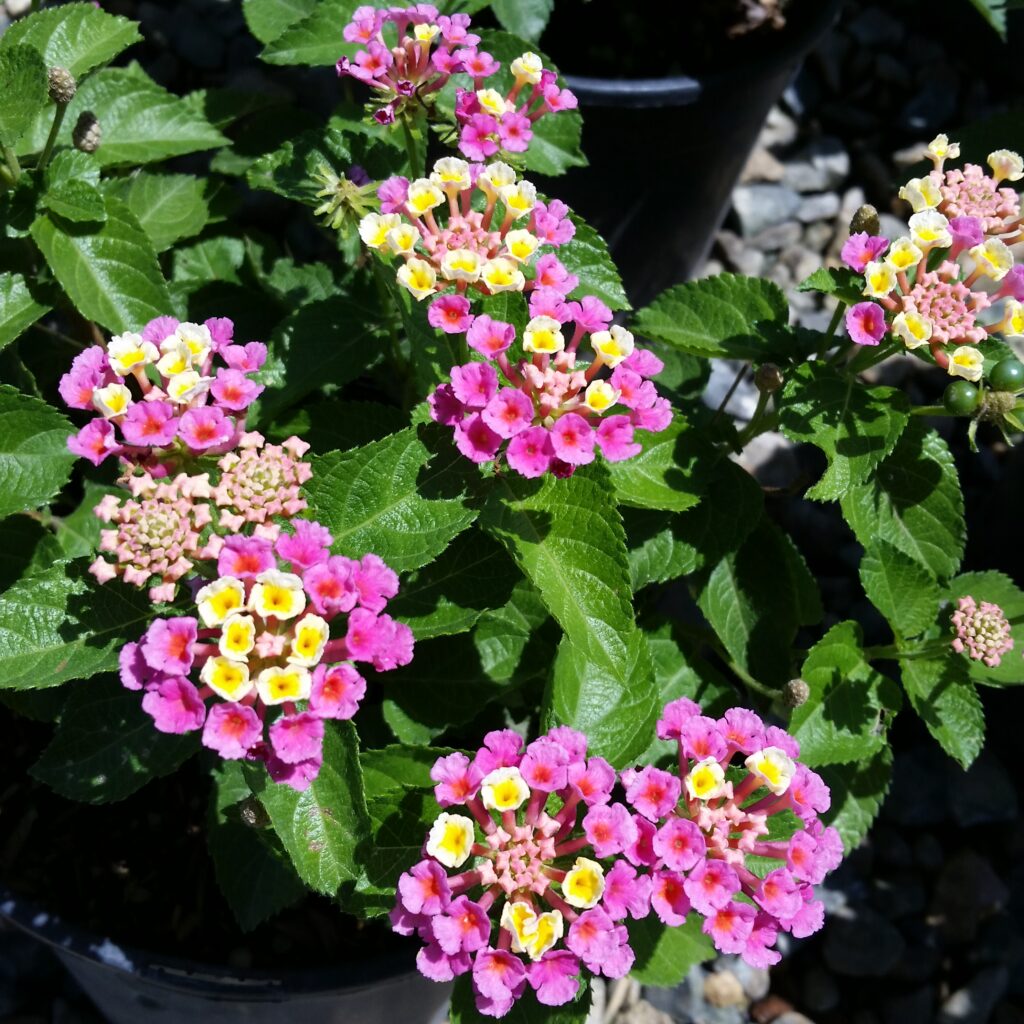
column 754, row 427
column 387, row 308
column 868, row 357
column 891, row 652
column 410, row 149
column 66, row 338
column 58, row 120
column 833, row 326
column 12, row 163
column 740, row 374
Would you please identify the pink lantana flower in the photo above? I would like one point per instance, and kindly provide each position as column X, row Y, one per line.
column 865, row 323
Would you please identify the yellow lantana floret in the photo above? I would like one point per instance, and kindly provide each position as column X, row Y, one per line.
column 451, row 173
column 279, row 685
column 237, row 636
column 424, row 195
column 543, row 334
column 374, row 228
column 613, row 346
column 277, row 595
column 527, row 69
column 491, row 102
column 418, row 277
column 922, row 194
column 461, row 265
column 941, row 149
column 311, row 635
column 531, row 933
column 992, row 258
column 183, row 387
column 196, row 338
column 228, row 679
column 1006, row 164
column 903, row 255
column 425, row 32
column 504, row 789
column 111, row 400
column 450, row 841
column 774, row 767
column 879, row 279
column 929, row 230
column 495, row 177
column 521, row 244
column 176, row 358
column 706, row 780
column 128, row 351
column 600, row 396
column 583, row 885
column 520, row 198
column 1013, row 322
column 967, row 362
column 217, row 600
column 912, row 329
column 402, row 239
column 502, row 275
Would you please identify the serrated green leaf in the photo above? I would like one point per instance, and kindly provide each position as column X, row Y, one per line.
column 26, row 547
column 76, row 36
column 586, row 255
column 213, row 259
column 525, row 1010
column 288, row 170
column 314, row 39
column 716, row 316
column 19, row 308
column 392, row 497
column 322, row 828
column 335, row 424
column 995, row 11
column 1000, row 590
column 913, row 502
column 141, row 121
column 267, row 19
column 34, row 459
column 839, row 281
column 253, row 871
column 75, row 200
column 846, row 715
column 656, row 554
column 105, row 747
column 71, row 165
column 664, row 955
column 525, row 18
column 857, row 795
column 111, row 274
column 900, row 588
column 78, row 533
column 58, row 625
column 666, row 474
column 501, row 636
column 23, row 85
column 855, row 426
column 169, row 207
column 943, row 694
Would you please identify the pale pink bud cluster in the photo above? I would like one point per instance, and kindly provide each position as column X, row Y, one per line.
column 260, row 652
column 549, row 411
column 543, row 877
column 156, row 533
column 982, row 631
column 928, row 288
column 161, row 395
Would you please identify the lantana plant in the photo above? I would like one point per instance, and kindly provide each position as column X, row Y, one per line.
column 420, row 541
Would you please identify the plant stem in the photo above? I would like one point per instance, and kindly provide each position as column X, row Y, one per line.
column 387, row 308
column 410, row 149
column 754, row 427
column 58, row 120
column 740, row 374
column 891, row 652
column 66, row 338
column 833, row 326
column 12, row 163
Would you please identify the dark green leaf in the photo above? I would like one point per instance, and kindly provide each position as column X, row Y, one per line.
column 336, row 424
column 19, row 309
column 839, row 281
column 316, row 38
column 78, row 533
column 586, row 255
column 26, row 547
column 900, row 588
column 105, row 747
column 169, row 207
column 75, row 200
column 267, row 19
column 501, row 636
column 526, row 18
column 857, row 794
column 23, row 87
column 942, row 693
column 213, row 259
column 665, row 955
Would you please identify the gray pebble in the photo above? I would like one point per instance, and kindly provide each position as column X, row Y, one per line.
column 777, row 237
column 741, row 255
column 974, row 1003
column 779, row 129
column 763, row 206
column 792, row 1017
column 822, row 206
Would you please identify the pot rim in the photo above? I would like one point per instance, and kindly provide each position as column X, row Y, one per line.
column 682, row 90
column 175, row 973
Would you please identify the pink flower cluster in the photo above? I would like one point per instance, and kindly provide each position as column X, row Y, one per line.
column 553, row 412
column 968, row 221
column 982, row 631
column 262, row 641
column 539, row 894
column 159, row 394
column 408, row 53
column 445, row 242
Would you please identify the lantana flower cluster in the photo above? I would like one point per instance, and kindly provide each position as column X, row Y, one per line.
column 982, row 631
column 407, row 54
column 160, row 392
column 283, row 623
column 553, row 411
column 532, row 866
column 952, row 282
column 445, row 242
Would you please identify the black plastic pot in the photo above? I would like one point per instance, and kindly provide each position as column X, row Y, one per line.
column 665, row 154
column 129, row 986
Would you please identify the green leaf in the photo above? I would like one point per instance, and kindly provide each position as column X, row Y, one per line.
column 839, row 281
column 1000, row 590
column 664, row 475
column 846, row 715
column 525, row 18
column 112, row 275
column 267, row 19
column 526, row 1009
column 34, row 459
column 323, row 827
column 26, row 547
column 325, row 342
column 253, row 871
column 664, row 955
column 105, row 747
column 392, row 497
column 19, row 309
column 855, row 426
column 315, row 39
column 335, row 424
column 76, row 36
column 448, row 596
column 995, row 11
column 288, row 170
column 23, row 85
column 213, row 259
column 857, row 795
column 141, row 121
column 501, row 636
column 58, row 625
column 586, row 255
column 716, row 316
column 71, row 165
column 900, row 588
column 913, row 502
column 169, row 207
column 75, row 200
column 942, row 693
column 756, row 597
column 78, row 533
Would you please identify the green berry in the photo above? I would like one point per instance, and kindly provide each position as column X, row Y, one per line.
column 1007, row 375
column 961, row 398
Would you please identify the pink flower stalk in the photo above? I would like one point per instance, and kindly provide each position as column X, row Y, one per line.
column 865, row 323
column 709, row 819
column 982, row 631
column 158, row 395
column 468, row 229
column 501, row 853
column 272, row 668
column 554, row 412
column 155, row 536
